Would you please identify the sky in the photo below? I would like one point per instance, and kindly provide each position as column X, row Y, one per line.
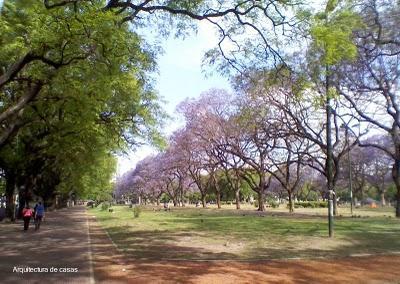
column 180, row 76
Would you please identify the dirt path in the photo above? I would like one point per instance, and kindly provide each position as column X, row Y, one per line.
column 111, row 266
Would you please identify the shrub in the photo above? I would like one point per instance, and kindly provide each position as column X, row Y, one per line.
column 136, row 211
column 164, row 198
column 272, row 202
column 323, row 204
column 310, row 204
column 104, row 205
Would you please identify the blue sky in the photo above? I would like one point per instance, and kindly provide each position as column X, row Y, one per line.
column 181, row 76
column 181, row 73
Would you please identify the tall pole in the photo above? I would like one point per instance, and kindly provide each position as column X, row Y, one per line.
column 329, row 154
column 350, row 177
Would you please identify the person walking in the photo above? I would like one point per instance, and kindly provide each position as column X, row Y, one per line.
column 39, row 214
column 26, row 215
column 34, row 208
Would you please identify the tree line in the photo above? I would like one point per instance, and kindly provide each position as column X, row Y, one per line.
column 336, row 94
column 77, row 84
column 234, row 146
column 76, row 88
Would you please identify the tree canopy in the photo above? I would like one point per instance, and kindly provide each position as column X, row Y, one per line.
column 85, row 95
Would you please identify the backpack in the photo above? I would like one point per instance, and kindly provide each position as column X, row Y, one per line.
column 28, row 213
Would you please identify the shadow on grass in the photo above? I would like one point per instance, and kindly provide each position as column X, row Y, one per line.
column 161, row 245
column 268, row 238
column 126, row 268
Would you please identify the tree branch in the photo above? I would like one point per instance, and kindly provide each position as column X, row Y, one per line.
column 22, row 102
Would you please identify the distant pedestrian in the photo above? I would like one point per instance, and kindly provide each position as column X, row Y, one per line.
column 39, row 214
column 166, row 206
column 34, row 208
column 26, row 215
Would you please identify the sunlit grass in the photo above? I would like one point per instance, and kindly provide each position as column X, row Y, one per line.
column 197, row 233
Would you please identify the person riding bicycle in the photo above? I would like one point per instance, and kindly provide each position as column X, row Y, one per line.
column 39, row 214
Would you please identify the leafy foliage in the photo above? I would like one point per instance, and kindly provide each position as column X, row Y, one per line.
column 333, row 35
column 97, row 97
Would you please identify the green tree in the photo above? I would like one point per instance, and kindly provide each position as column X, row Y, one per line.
column 332, row 44
column 95, row 101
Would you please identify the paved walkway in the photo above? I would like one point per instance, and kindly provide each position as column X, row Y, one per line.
column 58, row 253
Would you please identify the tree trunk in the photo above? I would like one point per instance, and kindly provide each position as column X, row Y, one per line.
column 10, row 201
column 203, row 200
column 218, row 199
column 217, row 190
column 383, row 200
column 237, row 197
column 396, row 179
column 24, row 195
column 182, row 201
column 329, row 153
column 56, row 201
column 291, row 205
column 398, row 203
column 362, row 195
column 261, row 206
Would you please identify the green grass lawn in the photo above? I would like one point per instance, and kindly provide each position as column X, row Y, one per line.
column 196, row 233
